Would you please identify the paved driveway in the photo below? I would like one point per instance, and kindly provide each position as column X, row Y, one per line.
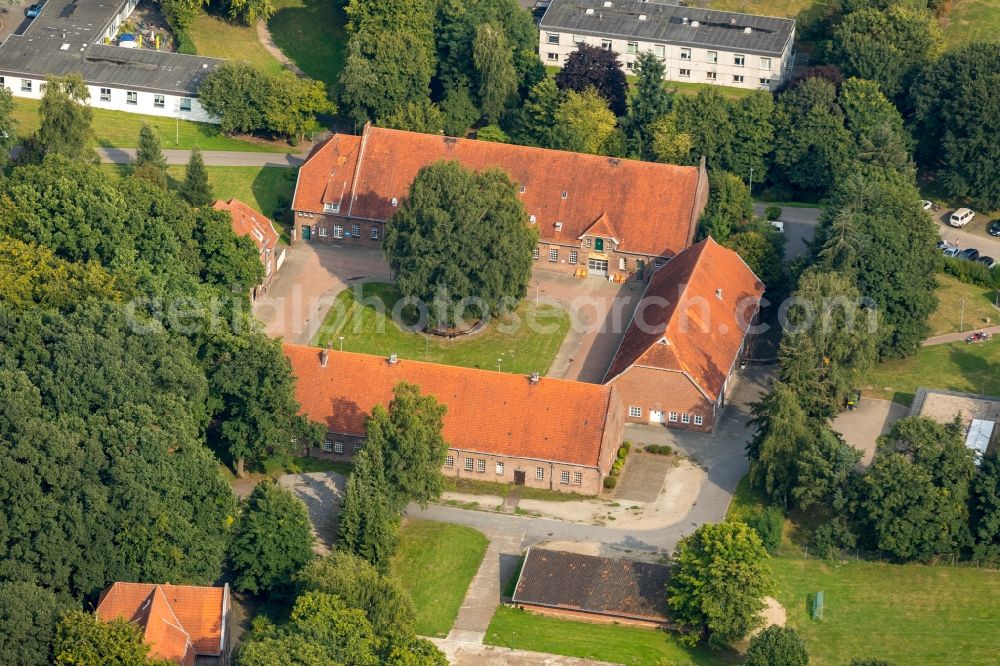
column 308, row 282
column 972, row 235
column 862, row 426
column 800, row 227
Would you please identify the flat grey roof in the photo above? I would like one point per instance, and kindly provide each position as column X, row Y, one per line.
column 665, row 23
column 61, row 40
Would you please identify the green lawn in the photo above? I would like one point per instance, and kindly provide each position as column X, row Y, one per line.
column 519, row 349
column 435, row 563
column 686, row 88
column 957, row 367
column 217, row 37
column 972, row 21
column 790, row 8
column 117, row 129
column 906, row 614
column 978, row 306
column 311, row 33
column 603, row 642
column 480, row 487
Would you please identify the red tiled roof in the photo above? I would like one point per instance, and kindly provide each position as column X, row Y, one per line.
column 488, row 412
column 178, row 621
column 693, row 317
column 248, row 222
column 651, row 205
column 602, row 227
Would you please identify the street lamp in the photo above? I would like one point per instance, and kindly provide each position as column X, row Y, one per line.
column 961, row 325
column 341, row 343
column 498, row 364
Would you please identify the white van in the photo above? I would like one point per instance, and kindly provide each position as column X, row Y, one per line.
column 961, row 217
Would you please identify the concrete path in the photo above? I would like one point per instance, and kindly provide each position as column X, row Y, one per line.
column 468, row 654
column 231, row 158
column 958, row 337
column 483, row 596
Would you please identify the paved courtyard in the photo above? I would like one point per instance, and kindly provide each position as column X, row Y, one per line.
column 862, row 426
column 307, row 284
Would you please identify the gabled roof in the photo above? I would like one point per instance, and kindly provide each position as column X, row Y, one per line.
column 488, row 412
column 602, row 585
column 248, row 222
column 178, row 621
column 602, row 227
column 693, row 317
column 651, row 205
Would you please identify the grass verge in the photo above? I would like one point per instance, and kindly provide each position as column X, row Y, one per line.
column 481, row 487
column 118, row 129
column 619, row 644
column 958, row 366
column 216, row 37
column 435, row 563
column 949, row 318
column 511, row 339
column 971, row 21
column 311, row 33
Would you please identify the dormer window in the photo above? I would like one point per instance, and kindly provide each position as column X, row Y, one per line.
column 558, row 226
column 331, row 207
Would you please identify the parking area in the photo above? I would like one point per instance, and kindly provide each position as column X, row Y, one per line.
column 861, row 427
column 13, row 19
column 972, row 235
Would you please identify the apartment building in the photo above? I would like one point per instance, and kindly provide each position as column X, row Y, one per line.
column 696, row 45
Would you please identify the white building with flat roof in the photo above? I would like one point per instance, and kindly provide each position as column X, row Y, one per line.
column 78, row 36
column 696, row 45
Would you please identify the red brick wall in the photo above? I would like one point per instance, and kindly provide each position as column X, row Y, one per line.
column 666, row 391
column 614, row 432
column 563, row 264
column 589, row 617
column 326, row 223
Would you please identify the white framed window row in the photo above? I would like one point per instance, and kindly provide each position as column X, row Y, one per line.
column 635, row 412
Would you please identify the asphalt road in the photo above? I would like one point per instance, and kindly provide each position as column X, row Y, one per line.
column 212, row 157
column 800, row 227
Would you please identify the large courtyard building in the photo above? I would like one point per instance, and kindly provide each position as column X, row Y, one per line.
column 508, row 428
column 81, row 36
column 599, row 216
column 696, row 45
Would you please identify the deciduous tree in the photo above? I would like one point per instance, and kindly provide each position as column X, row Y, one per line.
column 272, row 539
column 460, row 113
column 583, row 123
column 28, row 616
column 65, row 127
column 81, row 638
column 383, row 71
column 494, row 61
column 718, row 582
column 776, row 646
column 597, row 68
column 538, row 116
column 707, row 119
column 986, row 510
column 421, row 116
column 781, row 431
column 8, row 126
column 461, row 243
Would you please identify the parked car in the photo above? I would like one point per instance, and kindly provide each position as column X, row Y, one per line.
column 942, row 244
column 969, row 253
column 952, row 251
column 989, row 262
column 33, row 11
column 925, row 204
column 994, row 228
column 961, row 217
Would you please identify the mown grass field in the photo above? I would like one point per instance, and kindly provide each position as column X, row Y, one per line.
column 435, row 563
column 979, row 304
column 972, row 21
column 511, row 339
column 903, row 613
column 311, row 33
column 216, row 37
column 118, row 129
column 618, row 644
column 957, row 366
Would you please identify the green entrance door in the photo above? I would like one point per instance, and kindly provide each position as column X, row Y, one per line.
column 306, row 232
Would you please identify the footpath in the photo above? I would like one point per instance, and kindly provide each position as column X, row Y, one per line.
column 958, row 337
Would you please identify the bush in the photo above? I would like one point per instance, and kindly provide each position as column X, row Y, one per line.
column 659, row 449
column 616, row 467
column 772, row 213
column 610, row 482
column 184, row 42
column 777, row 646
column 973, row 272
column 829, row 538
column 768, row 525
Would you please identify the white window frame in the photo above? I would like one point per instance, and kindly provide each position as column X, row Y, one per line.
column 539, row 473
column 131, row 98
column 357, row 447
column 765, row 63
column 765, row 82
column 374, row 234
column 635, row 412
column 449, row 461
column 499, row 469
column 660, row 51
column 328, row 445
column 685, row 73
column 710, row 76
column 552, row 38
column 629, row 65
column 535, row 253
column 185, row 104
column 579, row 39
column 105, row 94
column 739, row 60
column 632, row 48
column 321, row 231
column 553, row 255
column 356, row 230
column 577, row 478
column 159, row 102
column 685, row 53
column 712, row 57
column 574, row 256
column 552, row 56
column 338, row 231
column 564, row 478
column 481, row 465
column 699, row 420
column 622, row 264
column 469, row 462
column 606, row 44
column 25, row 85
column 685, row 417
column 338, row 447
column 672, row 417
column 737, row 78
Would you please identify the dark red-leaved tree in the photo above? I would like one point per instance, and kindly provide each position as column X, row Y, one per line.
column 594, row 67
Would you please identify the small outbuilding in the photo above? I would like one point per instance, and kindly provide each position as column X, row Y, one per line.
column 593, row 589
